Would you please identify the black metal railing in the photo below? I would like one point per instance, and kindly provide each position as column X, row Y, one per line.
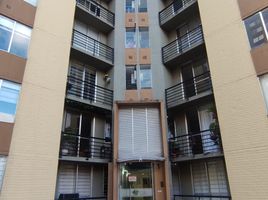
column 85, row 147
column 92, row 46
column 204, row 142
column 97, row 10
column 182, row 44
column 201, row 197
column 188, row 88
column 87, row 90
column 75, row 196
column 173, row 9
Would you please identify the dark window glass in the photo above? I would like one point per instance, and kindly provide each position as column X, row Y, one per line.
column 255, row 30
column 144, row 38
column 143, row 6
column 130, row 38
column 131, row 78
column 145, row 76
column 130, row 6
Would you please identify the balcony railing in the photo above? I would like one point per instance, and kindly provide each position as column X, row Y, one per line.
column 181, row 92
column 85, row 147
column 173, row 9
column 75, row 196
column 89, row 92
column 97, row 10
column 182, row 44
column 201, row 197
column 92, row 47
column 203, row 143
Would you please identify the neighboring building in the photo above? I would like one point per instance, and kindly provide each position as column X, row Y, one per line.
column 133, row 99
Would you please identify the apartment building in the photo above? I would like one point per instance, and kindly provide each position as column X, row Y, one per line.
column 133, row 99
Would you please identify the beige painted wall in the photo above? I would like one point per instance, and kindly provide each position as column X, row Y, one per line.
column 32, row 164
column 240, row 104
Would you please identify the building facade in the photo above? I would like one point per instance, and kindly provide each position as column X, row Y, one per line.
column 133, row 99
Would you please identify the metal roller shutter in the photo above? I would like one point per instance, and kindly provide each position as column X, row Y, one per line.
column 83, row 186
column 139, row 134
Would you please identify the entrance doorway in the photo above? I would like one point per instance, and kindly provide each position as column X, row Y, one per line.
column 136, row 181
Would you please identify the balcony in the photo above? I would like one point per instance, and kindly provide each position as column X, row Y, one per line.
column 201, row 197
column 190, row 91
column 176, row 13
column 204, row 144
column 75, row 196
column 186, row 47
column 89, row 50
column 86, row 92
column 85, row 149
column 95, row 15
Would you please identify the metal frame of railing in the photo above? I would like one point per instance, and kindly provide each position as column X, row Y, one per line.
column 98, row 10
column 182, row 44
column 92, row 46
column 204, row 142
column 86, row 147
column 89, row 91
column 169, row 12
column 201, row 197
column 178, row 92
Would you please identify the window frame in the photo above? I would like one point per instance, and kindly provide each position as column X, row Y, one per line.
column 134, row 34
column 146, row 31
column 146, row 67
column 131, row 86
column 263, row 80
column 131, row 9
column 16, row 31
column 263, row 25
column 16, row 88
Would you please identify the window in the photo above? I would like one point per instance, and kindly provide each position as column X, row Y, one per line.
column 144, row 37
column 130, row 6
column 3, row 161
column 131, row 78
column 9, row 95
column 141, row 78
column 142, row 5
column 32, row 2
column 264, row 85
column 130, row 38
column 145, row 76
column 14, row 37
column 256, row 27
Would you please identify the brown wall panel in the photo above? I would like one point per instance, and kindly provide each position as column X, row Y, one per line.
column 249, row 7
column 11, row 67
column 18, row 10
column 146, row 94
column 5, row 137
column 130, row 20
column 159, row 181
column 145, row 56
column 131, row 57
column 259, row 56
column 143, row 20
column 131, row 95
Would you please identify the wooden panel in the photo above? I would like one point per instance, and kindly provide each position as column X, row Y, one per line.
column 18, row 10
column 11, row 67
column 5, row 137
column 159, row 182
column 131, row 57
column 145, row 56
column 146, row 94
column 131, row 95
column 143, row 20
column 110, row 181
column 130, row 20
column 249, row 7
column 259, row 56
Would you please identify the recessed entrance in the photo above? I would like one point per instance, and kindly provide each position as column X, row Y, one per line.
column 136, row 181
